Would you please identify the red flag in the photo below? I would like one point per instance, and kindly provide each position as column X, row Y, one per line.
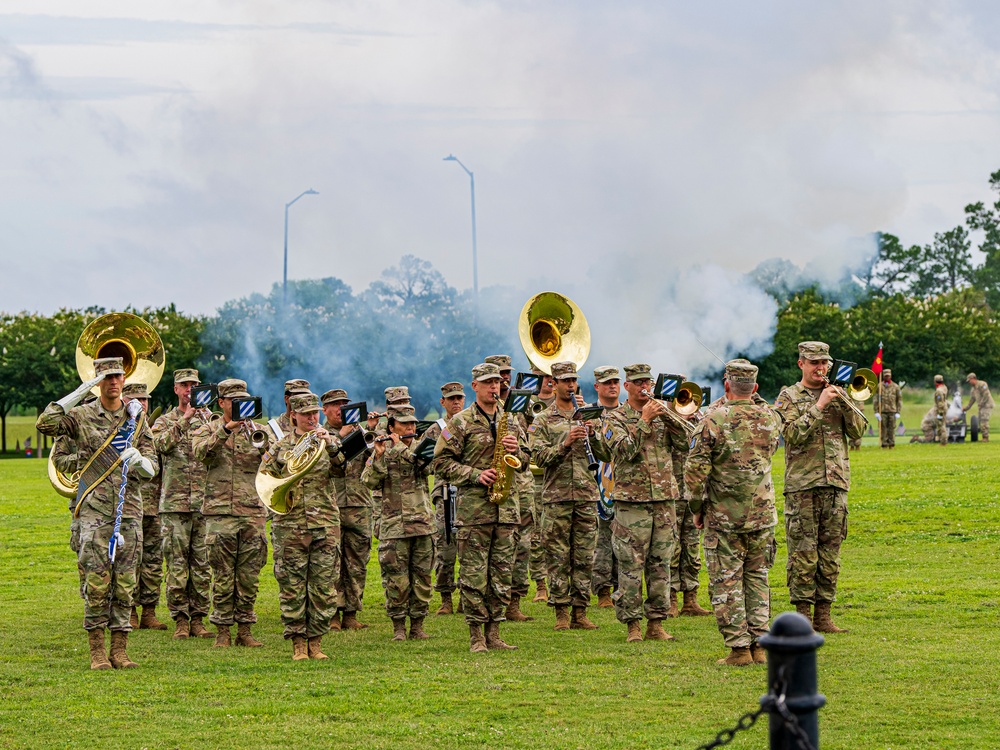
column 877, row 364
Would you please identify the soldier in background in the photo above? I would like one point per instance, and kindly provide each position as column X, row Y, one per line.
column 888, row 403
column 982, row 398
column 604, row 577
column 816, row 425
column 731, row 458
column 940, row 410
column 292, row 388
column 188, row 574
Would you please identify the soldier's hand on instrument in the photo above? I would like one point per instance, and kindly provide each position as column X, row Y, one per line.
column 380, row 447
column 347, row 429
column 827, row 395
column 579, row 399
column 652, row 409
column 189, row 412
column 510, row 443
column 488, row 476
column 576, row 432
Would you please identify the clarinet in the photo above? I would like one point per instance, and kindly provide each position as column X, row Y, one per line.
column 592, row 463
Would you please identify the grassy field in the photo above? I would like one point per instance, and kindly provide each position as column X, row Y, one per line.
column 919, row 591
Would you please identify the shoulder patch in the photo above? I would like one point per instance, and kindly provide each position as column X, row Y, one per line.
column 532, row 428
column 446, row 433
column 369, row 461
column 779, row 403
column 608, row 433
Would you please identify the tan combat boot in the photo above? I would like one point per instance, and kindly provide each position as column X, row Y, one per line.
column 604, row 600
column 541, row 592
column 98, row 659
column 315, row 648
column 446, row 605
column 398, row 629
column 335, row 624
column 738, row 657
column 634, row 631
column 691, row 608
column 514, row 613
column 655, row 631
column 119, row 642
column 149, row 621
column 133, row 619
column 477, row 642
column 580, row 620
column 493, row 640
column 299, row 648
column 198, row 629
column 758, row 653
column 351, row 622
column 417, row 629
column 673, row 612
column 562, row 617
column 222, row 637
column 244, row 637
column 804, row 609
column 183, row 629
column 822, row 623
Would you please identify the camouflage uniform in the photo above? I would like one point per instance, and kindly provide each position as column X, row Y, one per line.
column 536, row 556
column 941, row 413
column 887, row 404
column 355, row 503
column 151, row 554
column 524, row 486
column 63, row 455
column 981, row 396
column 605, row 570
column 731, row 456
column 685, row 564
column 445, row 551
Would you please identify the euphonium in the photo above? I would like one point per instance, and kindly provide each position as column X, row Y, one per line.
column 273, row 489
column 504, row 463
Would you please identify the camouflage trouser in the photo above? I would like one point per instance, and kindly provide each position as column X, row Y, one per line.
column 815, row 527
column 150, row 563
column 109, row 586
column 570, row 537
column 523, row 535
column 306, row 566
column 984, row 424
column 485, row 568
column 685, row 563
column 445, row 553
column 941, row 431
column 74, row 544
column 536, row 560
column 887, row 429
column 355, row 550
column 605, row 565
column 237, row 551
column 643, row 539
column 189, row 576
column 406, row 575
column 737, row 566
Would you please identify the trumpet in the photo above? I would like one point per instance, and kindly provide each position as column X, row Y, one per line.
column 671, row 415
column 257, row 437
column 370, row 438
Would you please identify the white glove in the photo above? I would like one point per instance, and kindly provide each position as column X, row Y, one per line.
column 897, row 415
column 878, row 417
column 68, row 402
column 135, row 460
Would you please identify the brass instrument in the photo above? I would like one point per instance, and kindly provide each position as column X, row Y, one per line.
column 114, row 335
column 553, row 329
column 863, row 386
column 273, row 488
column 671, row 416
column 257, row 437
column 537, row 407
column 688, row 399
column 504, row 463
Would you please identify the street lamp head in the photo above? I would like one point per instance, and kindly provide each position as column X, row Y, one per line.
column 449, row 157
column 310, row 191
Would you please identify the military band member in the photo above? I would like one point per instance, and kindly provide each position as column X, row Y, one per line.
column 406, row 544
column 816, row 425
column 100, row 429
column 464, row 456
column 234, row 516
column 607, row 383
column 982, row 398
column 292, row 387
column 188, row 574
column 536, row 562
column 307, row 537
column 888, row 403
column 640, row 443
column 731, row 458
column 355, row 503
column 941, row 409
column 63, row 456
column 569, row 494
column 150, row 565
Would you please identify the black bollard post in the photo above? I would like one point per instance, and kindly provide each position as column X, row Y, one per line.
column 791, row 661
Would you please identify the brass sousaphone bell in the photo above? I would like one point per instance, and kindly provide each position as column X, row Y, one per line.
column 553, row 329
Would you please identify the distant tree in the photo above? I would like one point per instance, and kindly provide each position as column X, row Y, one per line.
column 945, row 265
column 986, row 219
column 895, row 268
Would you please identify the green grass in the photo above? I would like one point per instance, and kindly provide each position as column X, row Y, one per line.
column 919, row 592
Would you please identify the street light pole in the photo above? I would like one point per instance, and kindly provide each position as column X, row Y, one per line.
column 284, row 282
column 475, row 260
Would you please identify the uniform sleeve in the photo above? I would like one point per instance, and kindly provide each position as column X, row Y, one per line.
column 167, row 433
column 64, row 455
column 447, row 461
column 624, row 440
column 376, row 470
column 796, row 428
column 208, row 439
column 144, row 442
column 547, row 447
column 854, row 424
column 54, row 421
column 698, row 466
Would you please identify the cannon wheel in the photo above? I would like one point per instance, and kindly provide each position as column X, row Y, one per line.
column 974, row 427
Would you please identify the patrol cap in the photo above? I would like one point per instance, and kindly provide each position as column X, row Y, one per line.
column 939, row 378
column 186, row 375
column 564, row 370
column 741, row 371
column 135, row 390
column 296, row 386
column 397, row 393
column 538, row 370
column 814, row 350
column 500, row 360
column 453, row 388
column 886, row 371
column 109, row 366
column 638, row 372
column 605, row 374
column 304, row 403
column 971, row 376
column 233, row 388
column 402, row 414
column 485, row 371
column 333, row 396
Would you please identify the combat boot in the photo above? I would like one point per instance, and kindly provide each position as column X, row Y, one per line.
column 335, row 624
column 398, row 629
column 691, row 608
column 580, row 620
column 417, row 629
column 604, row 598
column 244, row 637
column 149, row 621
column 98, row 659
column 634, row 631
column 315, row 648
column 738, row 657
column 299, row 648
column 672, row 612
column 493, row 641
column 655, row 631
column 119, row 642
column 351, row 622
column 133, row 619
column 222, row 637
column 562, row 617
column 514, row 613
column 804, row 609
column 541, row 592
column 198, row 629
column 822, row 623
column 758, row 653
column 446, row 605
column 183, row 629
column 477, row 642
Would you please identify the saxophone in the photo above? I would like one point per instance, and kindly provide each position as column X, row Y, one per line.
column 504, row 463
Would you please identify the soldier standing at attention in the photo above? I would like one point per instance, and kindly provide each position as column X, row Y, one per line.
column 607, row 383
column 355, row 503
column 731, row 458
column 640, row 443
column 188, row 574
column 536, row 560
column 981, row 396
column 63, row 456
column 307, row 537
column 941, row 409
column 888, row 403
column 100, row 429
column 406, row 543
column 234, row 517
column 816, row 426
column 569, row 493
column 485, row 530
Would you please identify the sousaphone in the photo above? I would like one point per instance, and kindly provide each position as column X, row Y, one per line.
column 553, row 329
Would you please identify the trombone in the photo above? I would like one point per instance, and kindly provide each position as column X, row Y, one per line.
column 862, row 387
column 671, row 415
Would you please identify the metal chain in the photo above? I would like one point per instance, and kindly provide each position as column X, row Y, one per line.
column 724, row 737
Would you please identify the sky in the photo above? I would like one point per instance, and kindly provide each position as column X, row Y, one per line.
column 632, row 152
